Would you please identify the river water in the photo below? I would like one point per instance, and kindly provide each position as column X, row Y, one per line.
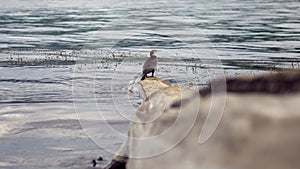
column 62, row 62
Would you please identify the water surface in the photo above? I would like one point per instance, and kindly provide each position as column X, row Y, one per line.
column 54, row 54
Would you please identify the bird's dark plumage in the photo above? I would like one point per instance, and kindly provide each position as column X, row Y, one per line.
column 150, row 64
column 100, row 159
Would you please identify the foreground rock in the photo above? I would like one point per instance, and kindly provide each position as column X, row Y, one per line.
column 259, row 127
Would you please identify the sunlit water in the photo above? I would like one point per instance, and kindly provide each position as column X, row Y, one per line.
column 57, row 54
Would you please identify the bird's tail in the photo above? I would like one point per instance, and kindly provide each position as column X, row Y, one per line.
column 144, row 77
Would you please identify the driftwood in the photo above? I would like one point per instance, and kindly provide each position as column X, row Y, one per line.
column 259, row 127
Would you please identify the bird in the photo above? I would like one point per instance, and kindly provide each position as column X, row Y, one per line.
column 100, row 159
column 150, row 64
column 94, row 163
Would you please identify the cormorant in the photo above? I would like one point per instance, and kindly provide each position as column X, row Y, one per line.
column 94, row 163
column 150, row 64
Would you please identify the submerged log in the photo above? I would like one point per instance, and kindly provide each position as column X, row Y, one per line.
column 259, row 127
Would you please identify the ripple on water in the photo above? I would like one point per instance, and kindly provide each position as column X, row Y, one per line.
column 42, row 56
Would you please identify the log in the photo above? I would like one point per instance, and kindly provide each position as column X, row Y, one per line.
column 259, row 127
column 144, row 88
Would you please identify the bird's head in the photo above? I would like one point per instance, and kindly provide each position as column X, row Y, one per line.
column 153, row 53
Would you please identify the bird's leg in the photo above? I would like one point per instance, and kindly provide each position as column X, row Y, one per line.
column 152, row 73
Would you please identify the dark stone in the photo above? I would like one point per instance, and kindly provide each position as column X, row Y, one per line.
column 116, row 165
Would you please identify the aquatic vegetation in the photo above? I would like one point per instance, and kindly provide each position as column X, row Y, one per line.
column 19, row 58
